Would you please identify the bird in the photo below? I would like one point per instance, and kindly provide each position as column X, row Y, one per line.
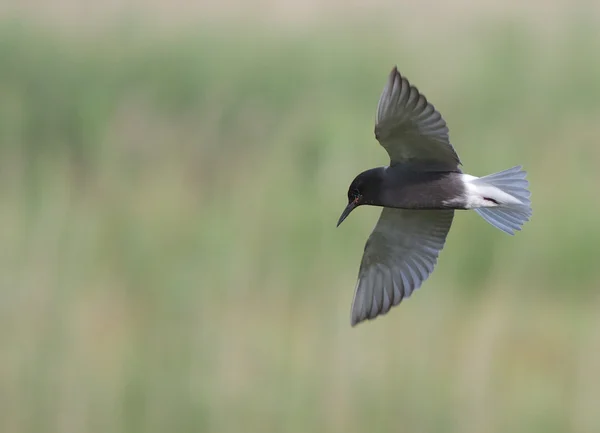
column 419, row 191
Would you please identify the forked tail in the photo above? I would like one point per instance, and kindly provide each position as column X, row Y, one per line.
column 508, row 193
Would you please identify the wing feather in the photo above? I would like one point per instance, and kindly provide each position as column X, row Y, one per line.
column 410, row 129
column 399, row 256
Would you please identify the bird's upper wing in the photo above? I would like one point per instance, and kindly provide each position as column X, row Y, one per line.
column 399, row 255
column 410, row 129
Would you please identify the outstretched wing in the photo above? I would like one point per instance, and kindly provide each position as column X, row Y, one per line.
column 410, row 129
column 399, row 255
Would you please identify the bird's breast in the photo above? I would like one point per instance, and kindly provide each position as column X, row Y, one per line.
column 425, row 191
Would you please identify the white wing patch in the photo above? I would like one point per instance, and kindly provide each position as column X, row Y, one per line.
column 399, row 256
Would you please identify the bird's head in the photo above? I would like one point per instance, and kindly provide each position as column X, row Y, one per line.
column 364, row 189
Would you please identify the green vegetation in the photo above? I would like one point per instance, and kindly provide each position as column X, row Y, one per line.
column 170, row 260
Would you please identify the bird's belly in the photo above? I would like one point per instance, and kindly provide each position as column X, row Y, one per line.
column 427, row 196
column 430, row 206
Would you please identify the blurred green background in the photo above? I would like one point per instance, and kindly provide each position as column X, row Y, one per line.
column 170, row 179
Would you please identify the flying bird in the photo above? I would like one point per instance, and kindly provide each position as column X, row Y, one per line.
column 419, row 191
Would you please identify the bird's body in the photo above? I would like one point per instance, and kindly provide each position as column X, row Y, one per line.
column 404, row 186
column 419, row 192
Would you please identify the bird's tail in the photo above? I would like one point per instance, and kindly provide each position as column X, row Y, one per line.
column 509, row 192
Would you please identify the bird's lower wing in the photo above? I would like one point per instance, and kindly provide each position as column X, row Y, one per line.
column 399, row 255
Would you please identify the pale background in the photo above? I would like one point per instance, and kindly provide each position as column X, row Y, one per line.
column 170, row 178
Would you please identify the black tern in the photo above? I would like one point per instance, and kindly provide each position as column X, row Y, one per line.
column 419, row 192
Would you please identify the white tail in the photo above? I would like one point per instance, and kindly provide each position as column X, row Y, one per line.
column 508, row 205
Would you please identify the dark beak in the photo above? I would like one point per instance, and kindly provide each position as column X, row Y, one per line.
column 347, row 211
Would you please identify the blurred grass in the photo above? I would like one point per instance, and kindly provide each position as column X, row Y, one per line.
column 170, row 255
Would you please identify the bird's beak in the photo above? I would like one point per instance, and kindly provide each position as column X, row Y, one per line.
column 347, row 211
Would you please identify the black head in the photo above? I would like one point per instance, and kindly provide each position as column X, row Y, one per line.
column 364, row 189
